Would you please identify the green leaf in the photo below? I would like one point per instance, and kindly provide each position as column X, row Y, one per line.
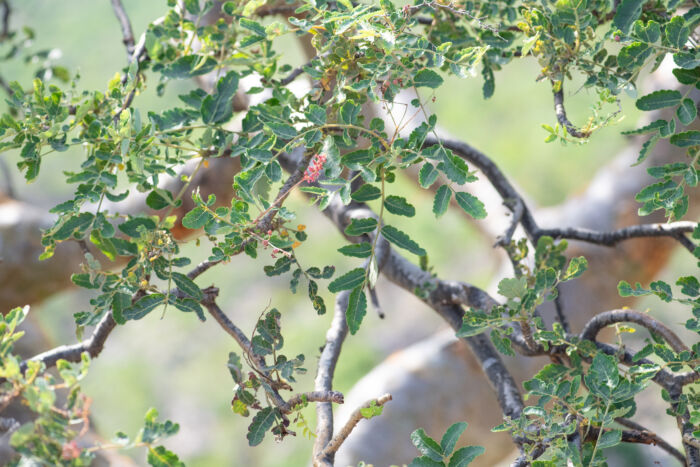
column 366, row 193
column 628, row 11
column 471, row 205
column 144, row 306
column 357, row 308
column 686, row 139
column 514, row 287
column 577, row 266
column 625, row 289
column 399, row 206
column 442, row 200
column 646, row 148
column 427, row 175
column 131, row 227
column 359, row 227
column 653, row 126
column 316, row 114
column 634, row 55
column 197, row 218
column 262, row 422
column 687, row 60
column 690, row 286
column 687, row 76
column 609, row 439
column 372, row 411
column 687, row 111
column 105, row 245
column 427, row 78
column 192, row 6
column 83, row 280
column 472, row 327
column 402, row 240
column 454, row 167
column 677, row 32
column 348, row 281
column 357, row 250
column 189, row 66
column 659, row 100
column 253, row 26
column 161, row 457
column 465, row 456
column 187, row 285
column 449, row 439
column 218, row 107
column 282, row 130
column 159, row 199
column 120, row 302
column 426, row 445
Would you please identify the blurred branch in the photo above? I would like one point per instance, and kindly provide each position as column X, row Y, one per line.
column 652, row 437
column 332, row 447
column 125, row 24
column 5, row 19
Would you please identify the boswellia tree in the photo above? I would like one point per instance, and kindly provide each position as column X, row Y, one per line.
column 217, row 168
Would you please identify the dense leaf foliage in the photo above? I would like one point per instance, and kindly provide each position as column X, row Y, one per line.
column 365, row 53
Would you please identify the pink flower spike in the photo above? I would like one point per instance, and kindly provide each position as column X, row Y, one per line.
column 313, row 171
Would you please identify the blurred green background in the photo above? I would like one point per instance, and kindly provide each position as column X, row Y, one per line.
column 178, row 364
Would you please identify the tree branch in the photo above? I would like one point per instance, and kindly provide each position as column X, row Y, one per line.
column 560, row 111
column 335, row 336
column 515, row 203
column 333, row 445
column 653, row 437
column 5, row 19
column 591, row 329
column 673, row 230
column 125, row 24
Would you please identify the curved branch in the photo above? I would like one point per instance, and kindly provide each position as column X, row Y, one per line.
column 73, row 353
column 560, row 111
column 516, row 204
column 598, row 322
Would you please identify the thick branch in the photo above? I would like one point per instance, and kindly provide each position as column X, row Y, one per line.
column 332, row 447
column 73, row 353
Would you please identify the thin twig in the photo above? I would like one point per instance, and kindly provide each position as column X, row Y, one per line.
column 332, row 447
column 655, row 439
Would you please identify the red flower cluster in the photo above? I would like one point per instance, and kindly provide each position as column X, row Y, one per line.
column 314, row 170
